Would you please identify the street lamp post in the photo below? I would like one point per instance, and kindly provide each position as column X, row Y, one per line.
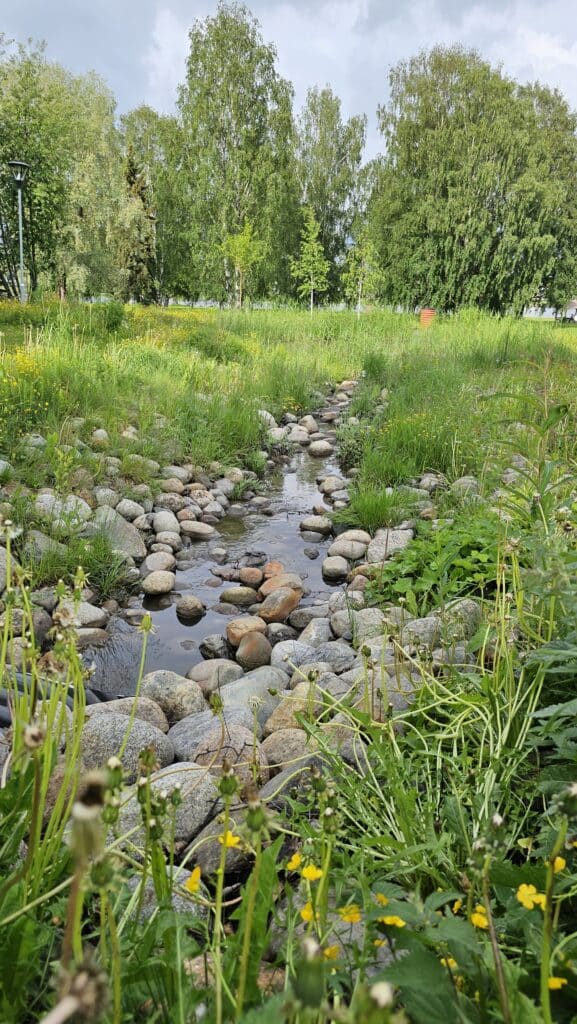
column 19, row 170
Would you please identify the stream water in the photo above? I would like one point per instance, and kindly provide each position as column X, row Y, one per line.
column 174, row 644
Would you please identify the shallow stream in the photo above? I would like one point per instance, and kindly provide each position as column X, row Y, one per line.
column 174, row 644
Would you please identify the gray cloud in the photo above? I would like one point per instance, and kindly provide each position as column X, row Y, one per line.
column 140, row 46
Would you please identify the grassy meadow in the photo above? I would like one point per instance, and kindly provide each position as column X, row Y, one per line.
column 430, row 878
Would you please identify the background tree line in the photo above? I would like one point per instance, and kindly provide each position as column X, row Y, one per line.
column 235, row 195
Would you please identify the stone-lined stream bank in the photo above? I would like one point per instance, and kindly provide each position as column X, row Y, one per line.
column 255, row 596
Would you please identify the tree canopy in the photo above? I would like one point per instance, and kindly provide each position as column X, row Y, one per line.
column 470, row 203
column 473, row 203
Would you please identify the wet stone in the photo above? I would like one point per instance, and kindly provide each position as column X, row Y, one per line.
column 214, row 646
column 190, row 608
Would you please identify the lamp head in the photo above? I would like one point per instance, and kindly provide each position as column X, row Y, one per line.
column 19, row 169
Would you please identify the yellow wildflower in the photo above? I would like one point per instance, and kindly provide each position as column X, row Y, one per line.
column 307, row 912
column 457, row 906
column 193, row 881
column 294, row 862
column 350, row 914
column 554, row 983
column 530, row 898
column 312, row 873
column 393, row 921
column 229, row 840
column 331, row 952
column 379, row 942
column 381, row 898
column 559, row 864
column 449, row 962
column 479, row 917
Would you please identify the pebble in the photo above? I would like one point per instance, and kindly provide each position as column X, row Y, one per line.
column 239, row 747
column 321, row 449
column 197, row 531
column 238, row 628
column 254, row 651
column 278, row 605
column 335, row 567
column 159, row 582
column 211, row 675
column 103, row 735
column 241, row 597
column 190, row 607
column 316, row 524
column 165, row 522
column 159, row 561
column 129, row 509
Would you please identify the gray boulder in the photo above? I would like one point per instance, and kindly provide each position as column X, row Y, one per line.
column 187, row 735
column 178, row 696
column 199, row 801
column 103, row 735
column 122, row 535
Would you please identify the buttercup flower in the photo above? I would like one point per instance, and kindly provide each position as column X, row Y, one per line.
column 559, row 864
column 530, row 898
column 312, row 873
column 350, row 914
column 295, row 862
column 479, row 917
column 457, row 906
column 193, row 881
column 381, row 898
column 393, row 921
column 229, row 840
column 555, row 983
column 307, row 912
column 449, row 962
column 331, row 952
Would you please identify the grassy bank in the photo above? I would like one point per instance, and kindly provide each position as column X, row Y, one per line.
column 433, row 873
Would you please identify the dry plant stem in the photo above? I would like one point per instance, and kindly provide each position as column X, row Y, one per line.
column 63, row 1011
column 501, row 983
column 548, row 925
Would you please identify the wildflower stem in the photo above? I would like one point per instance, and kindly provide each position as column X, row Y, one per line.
column 115, row 962
column 71, row 941
column 253, row 889
column 217, row 937
column 548, row 924
column 132, row 715
column 501, row 983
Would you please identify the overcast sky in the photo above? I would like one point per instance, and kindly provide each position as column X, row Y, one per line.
column 139, row 46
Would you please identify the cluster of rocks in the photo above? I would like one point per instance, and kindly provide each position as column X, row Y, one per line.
column 152, row 526
column 279, row 662
column 340, row 654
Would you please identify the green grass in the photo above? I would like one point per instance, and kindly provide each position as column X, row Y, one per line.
column 372, row 508
column 460, row 801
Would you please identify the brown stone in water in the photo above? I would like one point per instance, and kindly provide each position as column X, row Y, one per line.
column 278, row 605
column 237, row 628
column 250, row 576
column 272, row 569
column 287, row 580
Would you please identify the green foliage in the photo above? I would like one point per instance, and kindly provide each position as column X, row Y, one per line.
column 456, row 560
column 329, row 154
column 245, row 252
column 473, row 204
column 237, row 156
column 311, row 268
